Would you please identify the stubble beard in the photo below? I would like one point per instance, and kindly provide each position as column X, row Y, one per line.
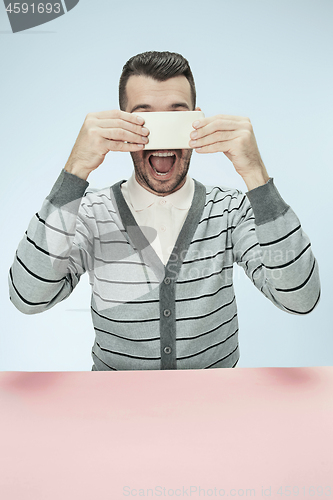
column 142, row 168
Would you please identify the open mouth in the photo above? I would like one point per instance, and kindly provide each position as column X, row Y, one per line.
column 162, row 162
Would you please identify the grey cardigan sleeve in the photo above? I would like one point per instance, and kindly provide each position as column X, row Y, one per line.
column 54, row 251
column 274, row 251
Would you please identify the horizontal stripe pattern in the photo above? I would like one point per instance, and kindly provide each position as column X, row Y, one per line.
column 87, row 235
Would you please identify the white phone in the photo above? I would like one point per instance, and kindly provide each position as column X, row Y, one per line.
column 169, row 129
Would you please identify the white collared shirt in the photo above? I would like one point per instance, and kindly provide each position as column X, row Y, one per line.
column 165, row 214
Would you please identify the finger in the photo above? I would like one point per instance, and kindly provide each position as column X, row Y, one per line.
column 215, row 137
column 124, row 146
column 217, row 125
column 121, row 124
column 118, row 114
column 229, row 118
column 222, row 147
column 106, row 145
column 119, row 134
column 221, row 125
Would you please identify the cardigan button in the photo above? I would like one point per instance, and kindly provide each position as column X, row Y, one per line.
column 167, row 350
column 166, row 312
column 167, row 280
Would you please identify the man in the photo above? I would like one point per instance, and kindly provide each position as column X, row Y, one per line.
column 160, row 248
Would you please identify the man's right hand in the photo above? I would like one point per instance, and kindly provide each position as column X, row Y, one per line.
column 103, row 132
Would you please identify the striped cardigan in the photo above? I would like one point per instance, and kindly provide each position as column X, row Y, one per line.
column 148, row 316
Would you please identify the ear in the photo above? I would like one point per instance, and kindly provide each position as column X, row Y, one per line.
column 197, row 109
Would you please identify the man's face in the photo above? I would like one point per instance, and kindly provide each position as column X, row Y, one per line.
column 160, row 176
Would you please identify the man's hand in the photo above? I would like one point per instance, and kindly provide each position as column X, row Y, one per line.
column 103, row 132
column 233, row 136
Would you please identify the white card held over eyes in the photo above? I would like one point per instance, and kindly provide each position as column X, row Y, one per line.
column 169, row 129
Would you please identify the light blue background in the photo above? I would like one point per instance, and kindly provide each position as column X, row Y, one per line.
column 268, row 60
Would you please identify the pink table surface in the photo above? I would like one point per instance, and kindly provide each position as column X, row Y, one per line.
column 244, row 432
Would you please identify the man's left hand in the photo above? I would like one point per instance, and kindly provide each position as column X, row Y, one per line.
column 233, row 136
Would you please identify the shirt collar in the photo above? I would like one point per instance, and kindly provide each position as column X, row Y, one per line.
column 141, row 198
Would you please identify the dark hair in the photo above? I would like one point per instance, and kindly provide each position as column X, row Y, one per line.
column 158, row 65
